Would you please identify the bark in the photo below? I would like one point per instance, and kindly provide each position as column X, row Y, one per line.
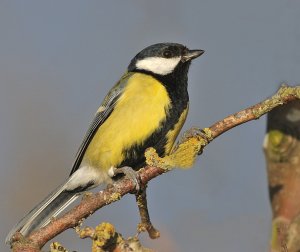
column 282, row 152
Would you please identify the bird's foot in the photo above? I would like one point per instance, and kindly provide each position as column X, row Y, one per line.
column 129, row 173
column 195, row 132
column 204, row 134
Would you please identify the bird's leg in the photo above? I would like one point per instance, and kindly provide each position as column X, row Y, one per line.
column 145, row 224
column 128, row 172
column 141, row 199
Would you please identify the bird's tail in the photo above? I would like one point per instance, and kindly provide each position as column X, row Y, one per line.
column 41, row 215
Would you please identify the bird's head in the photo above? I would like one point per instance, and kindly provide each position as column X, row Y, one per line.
column 163, row 58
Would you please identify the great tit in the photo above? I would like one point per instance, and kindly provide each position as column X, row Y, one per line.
column 145, row 108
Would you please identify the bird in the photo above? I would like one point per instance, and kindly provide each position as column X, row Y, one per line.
column 146, row 108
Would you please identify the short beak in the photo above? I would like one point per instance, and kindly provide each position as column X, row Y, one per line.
column 191, row 54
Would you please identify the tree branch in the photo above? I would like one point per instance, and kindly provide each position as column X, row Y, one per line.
column 182, row 156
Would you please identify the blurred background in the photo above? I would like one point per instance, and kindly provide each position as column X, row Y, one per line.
column 58, row 59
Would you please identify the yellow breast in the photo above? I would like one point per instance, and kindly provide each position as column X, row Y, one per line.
column 138, row 113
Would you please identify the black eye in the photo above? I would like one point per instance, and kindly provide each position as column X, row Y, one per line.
column 167, row 54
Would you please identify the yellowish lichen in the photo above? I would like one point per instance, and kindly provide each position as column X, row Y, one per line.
column 184, row 153
column 115, row 197
column 275, row 138
column 277, row 99
column 279, row 234
column 57, row 247
column 102, row 236
column 103, row 233
column 208, row 133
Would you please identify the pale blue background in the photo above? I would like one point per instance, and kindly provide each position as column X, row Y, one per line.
column 59, row 58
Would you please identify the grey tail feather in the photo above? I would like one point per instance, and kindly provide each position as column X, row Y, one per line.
column 41, row 215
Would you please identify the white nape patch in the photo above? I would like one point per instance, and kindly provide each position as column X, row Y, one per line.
column 158, row 65
column 293, row 115
column 85, row 175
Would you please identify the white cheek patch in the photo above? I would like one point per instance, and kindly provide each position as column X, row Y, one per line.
column 158, row 65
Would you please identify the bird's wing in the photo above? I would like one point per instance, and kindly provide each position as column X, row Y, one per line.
column 102, row 114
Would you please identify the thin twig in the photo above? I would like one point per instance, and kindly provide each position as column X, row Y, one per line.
column 146, row 224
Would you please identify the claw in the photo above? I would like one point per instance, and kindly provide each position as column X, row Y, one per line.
column 128, row 172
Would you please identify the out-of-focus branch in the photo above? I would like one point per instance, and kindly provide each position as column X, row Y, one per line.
column 282, row 151
column 183, row 156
